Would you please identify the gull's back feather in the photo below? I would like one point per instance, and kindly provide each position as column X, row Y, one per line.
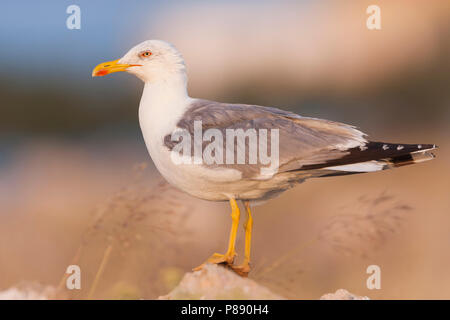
column 302, row 141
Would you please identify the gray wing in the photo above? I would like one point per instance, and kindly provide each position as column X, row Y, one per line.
column 302, row 141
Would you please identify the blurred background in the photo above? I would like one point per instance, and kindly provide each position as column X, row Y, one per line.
column 77, row 185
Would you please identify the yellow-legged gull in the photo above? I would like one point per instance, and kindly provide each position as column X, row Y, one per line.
column 271, row 150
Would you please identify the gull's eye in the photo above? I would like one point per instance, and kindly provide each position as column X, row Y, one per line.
column 145, row 54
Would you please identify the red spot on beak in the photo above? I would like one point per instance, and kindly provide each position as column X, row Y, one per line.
column 102, row 72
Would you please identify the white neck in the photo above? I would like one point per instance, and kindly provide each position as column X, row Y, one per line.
column 162, row 105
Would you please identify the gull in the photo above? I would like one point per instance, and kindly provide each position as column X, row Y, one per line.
column 304, row 147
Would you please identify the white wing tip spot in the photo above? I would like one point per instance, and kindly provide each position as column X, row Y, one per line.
column 385, row 147
column 362, row 148
column 419, row 146
column 400, row 147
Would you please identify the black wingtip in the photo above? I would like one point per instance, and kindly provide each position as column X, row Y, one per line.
column 397, row 153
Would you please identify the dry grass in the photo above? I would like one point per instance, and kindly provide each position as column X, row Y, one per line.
column 138, row 219
column 365, row 225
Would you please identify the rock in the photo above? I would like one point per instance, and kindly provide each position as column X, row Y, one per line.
column 31, row 291
column 215, row 282
column 342, row 294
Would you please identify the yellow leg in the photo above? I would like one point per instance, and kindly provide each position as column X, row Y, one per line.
column 235, row 216
column 244, row 268
column 228, row 257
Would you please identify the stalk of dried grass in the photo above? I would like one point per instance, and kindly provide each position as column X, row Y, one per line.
column 139, row 214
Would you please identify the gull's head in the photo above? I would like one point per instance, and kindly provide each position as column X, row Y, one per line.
column 151, row 61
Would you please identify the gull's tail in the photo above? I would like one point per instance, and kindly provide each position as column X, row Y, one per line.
column 375, row 156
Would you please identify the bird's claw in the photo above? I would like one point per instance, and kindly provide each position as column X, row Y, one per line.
column 218, row 258
column 242, row 269
column 227, row 261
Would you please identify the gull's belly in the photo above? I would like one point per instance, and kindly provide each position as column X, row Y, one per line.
column 194, row 179
column 218, row 184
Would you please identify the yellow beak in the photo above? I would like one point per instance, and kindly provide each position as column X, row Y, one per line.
column 109, row 67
